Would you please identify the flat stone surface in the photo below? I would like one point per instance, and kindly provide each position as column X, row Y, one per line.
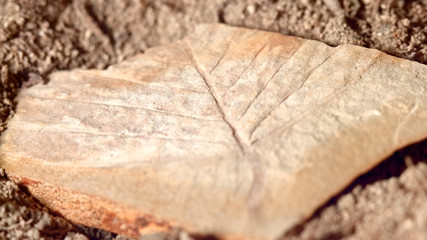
column 233, row 132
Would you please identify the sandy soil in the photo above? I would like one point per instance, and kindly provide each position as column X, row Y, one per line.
column 39, row 36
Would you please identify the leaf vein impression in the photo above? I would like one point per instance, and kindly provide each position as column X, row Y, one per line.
column 226, row 51
column 126, row 106
column 285, row 98
column 266, row 85
column 255, row 193
column 242, row 146
column 160, row 87
column 249, row 66
column 123, row 134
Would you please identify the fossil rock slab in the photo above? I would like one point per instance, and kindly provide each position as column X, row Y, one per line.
column 233, row 132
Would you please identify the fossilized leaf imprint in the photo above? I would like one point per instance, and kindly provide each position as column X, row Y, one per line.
column 233, row 132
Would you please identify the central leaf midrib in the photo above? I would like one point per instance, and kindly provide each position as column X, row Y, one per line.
column 243, row 146
column 255, row 193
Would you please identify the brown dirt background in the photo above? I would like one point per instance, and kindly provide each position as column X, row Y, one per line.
column 41, row 36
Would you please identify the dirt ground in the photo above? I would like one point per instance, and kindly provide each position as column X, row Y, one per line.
column 40, row 36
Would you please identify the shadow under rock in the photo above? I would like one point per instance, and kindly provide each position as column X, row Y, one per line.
column 393, row 166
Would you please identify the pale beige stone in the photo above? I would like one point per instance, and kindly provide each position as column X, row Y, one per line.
column 233, row 132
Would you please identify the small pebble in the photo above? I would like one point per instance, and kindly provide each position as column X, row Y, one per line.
column 250, row 8
column 346, row 202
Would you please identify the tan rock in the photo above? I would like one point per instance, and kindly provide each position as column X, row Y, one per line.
column 232, row 132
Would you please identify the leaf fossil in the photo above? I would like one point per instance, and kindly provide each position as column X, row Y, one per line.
column 231, row 131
